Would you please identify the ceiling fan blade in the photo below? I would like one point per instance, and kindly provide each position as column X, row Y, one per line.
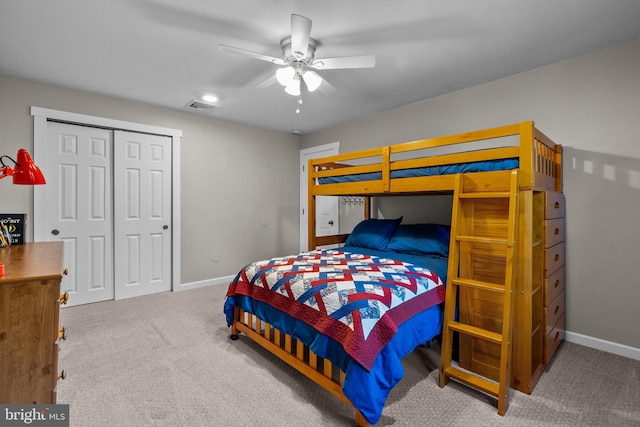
column 300, row 34
column 327, row 88
column 363, row 61
column 254, row 55
column 268, row 82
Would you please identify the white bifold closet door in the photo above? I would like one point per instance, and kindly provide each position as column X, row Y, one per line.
column 108, row 198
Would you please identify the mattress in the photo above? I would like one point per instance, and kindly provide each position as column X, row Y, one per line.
column 483, row 166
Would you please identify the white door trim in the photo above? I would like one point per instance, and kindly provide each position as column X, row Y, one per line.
column 40, row 118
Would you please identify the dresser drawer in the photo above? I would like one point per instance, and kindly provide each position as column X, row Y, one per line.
column 553, row 258
column 554, row 205
column 553, row 232
column 554, row 312
column 553, row 285
column 553, row 340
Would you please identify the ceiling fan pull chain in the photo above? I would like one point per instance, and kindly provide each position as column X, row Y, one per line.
column 299, row 103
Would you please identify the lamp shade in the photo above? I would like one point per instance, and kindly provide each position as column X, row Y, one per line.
column 26, row 172
column 293, row 88
column 312, row 80
column 285, row 75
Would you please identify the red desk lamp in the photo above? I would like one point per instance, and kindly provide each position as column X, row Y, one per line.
column 25, row 171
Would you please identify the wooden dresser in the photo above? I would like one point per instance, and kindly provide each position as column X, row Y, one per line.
column 29, row 331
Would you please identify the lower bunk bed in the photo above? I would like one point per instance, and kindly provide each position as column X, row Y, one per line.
column 347, row 317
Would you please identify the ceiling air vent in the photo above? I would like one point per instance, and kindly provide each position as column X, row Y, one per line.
column 200, row 105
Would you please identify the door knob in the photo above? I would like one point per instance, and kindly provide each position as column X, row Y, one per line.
column 165, row 227
column 330, row 222
column 55, row 232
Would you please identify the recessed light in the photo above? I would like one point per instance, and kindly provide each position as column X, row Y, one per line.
column 209, row 97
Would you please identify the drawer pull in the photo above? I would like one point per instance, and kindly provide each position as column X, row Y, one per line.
column 556, row 310
column 65, row 272
column 557, row 336
column 64, row 298
column 62, row 333
column 556, row 231
column 557, row 205
column 62, row 375
column 557, row 257
column 557, row 283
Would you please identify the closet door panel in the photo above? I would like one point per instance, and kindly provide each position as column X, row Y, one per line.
column 142, row 209
column 78, row 206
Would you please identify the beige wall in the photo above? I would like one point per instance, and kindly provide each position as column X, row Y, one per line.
column 239, row 184
column 591, row 105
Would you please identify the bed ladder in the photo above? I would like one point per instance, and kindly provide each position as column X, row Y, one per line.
column 468, row 230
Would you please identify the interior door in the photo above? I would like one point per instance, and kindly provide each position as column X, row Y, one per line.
column 327, row 215
column 327, row 207
column 78, row 208
column 142, row 213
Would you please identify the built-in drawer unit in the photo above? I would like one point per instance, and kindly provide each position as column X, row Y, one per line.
column 553, row 272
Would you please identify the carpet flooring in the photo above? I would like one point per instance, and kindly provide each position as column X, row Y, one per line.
column 166, row 360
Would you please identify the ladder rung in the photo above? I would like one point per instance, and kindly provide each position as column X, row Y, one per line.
column 473, row 381
column 485, row 195
column 477, row 239
column 474, row 331
column 476, row 284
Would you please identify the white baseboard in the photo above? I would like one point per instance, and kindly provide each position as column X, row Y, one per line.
column 225, row 280
column 608, row 346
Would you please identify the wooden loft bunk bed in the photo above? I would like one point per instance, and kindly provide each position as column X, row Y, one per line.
column 507, row 232
column 541, row 220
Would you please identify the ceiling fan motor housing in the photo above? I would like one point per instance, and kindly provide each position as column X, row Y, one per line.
column 289, row 56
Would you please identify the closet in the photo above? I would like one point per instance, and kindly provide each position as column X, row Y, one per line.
column 109, row 198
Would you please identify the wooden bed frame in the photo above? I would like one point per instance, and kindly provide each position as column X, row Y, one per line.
column 538, row 328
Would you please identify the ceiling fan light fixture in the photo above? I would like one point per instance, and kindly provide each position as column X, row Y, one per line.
column 312, row 80
column 298, row 57
column 293, row 88
column 285, row 76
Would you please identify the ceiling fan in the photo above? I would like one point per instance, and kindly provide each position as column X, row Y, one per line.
column 299, row 60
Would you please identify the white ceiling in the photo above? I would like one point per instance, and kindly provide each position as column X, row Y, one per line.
column 165, row 52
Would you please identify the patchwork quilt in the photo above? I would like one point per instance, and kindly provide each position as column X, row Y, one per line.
column 359, row 300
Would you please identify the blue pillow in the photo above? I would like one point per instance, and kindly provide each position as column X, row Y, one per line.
column 373, row 233
column 421, row 239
